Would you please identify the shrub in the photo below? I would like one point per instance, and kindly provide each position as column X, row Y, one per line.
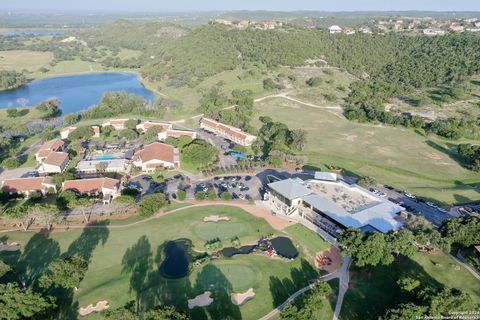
column 199, row 196
column 181, row 195
column 226, row 196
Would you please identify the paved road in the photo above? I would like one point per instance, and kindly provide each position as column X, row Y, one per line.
column 435, row 216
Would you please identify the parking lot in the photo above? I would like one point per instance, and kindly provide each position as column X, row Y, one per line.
column 242, row 187
column 223, row 147
column 416, row 206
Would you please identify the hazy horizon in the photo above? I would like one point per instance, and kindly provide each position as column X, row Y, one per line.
column 251, row 5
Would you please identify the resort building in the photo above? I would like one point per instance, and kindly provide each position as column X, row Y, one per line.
column 102, row 166
column 157, row 155
column 118, row 124
column 52, row 145
column 28, row 185
column 144, row 126
column 333, row 205
column 56, row 162
column 176, row 134
column 109, row 188
column 228, row 132
column 65, row 132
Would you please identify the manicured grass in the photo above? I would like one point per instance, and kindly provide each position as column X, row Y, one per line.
column 125, row 264
column 27, row 114
column 24, row 59
column 395, row 156
column 374, row 290
column 308, row 239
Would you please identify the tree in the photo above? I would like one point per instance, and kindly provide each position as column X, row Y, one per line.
column 152, row 134
column 4, row 268
column 84, row 133
column 269, row 84
column 107, row 130
column 131, row 124
column 298, row 139
column 50, row 108
column 211, row 195
column 463, row 230
column 18, row 303
column 374, row 250
column 403, row 243
column 165, row 313
column 199, row 153
column 199, row 196
column 12, row 113
column 366, row 181
column 11, row 163
column 151, row 203
column 181, row 195
column 226, row 196
column 314, row 81
column 405, row 311
column 408, row 284
column 126, row 312
column 64, row 273
column 71, row 118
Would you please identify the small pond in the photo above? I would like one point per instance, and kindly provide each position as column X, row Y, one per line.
column 284, row 247
column 231, row 251
column 177, row 259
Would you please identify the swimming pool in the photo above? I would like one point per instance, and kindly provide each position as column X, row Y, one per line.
column 237, row 154
column 105, row 157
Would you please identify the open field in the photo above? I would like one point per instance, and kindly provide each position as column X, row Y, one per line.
column 373, row 290
column 395, row 156
column 125, row 263
column 27, row 114
column 23, row 59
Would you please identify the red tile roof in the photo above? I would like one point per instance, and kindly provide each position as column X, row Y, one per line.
column 26, row 184
column 229, row 130
column 53, row 145
column 165, row 126
column 56, row 158
column 43, row 153
column 91, row 185
column 179, row 133
column 156, row 151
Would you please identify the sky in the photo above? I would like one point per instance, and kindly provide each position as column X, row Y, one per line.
column 224, row 5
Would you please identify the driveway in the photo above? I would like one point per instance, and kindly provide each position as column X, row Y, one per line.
column 17, row 173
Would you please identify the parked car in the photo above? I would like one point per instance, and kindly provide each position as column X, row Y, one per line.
column 409, row 195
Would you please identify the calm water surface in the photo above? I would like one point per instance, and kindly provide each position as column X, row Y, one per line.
column 76, row 92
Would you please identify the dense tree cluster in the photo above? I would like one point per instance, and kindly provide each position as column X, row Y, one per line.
column 64, row 273
column 11, row 79
column 463, row 231
column 275, row 138
column 151, row 204
column 49, row 108
column 306, row 308
column 471, row 154
column 376, row 248
column 199, row 153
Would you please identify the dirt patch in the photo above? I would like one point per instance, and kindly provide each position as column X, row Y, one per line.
column 215, row 219
column 12, row 246
column 240, row 298
column 201, row 300
column 433, row 156
column 329, row 260
column 349, row 137
column 101, row 305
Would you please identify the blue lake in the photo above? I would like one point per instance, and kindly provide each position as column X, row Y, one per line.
column 32, row 33
column 76, row 92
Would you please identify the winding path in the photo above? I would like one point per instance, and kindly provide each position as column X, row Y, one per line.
column 285, row 95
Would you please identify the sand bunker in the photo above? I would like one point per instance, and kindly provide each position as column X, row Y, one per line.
column 101, row 305
column 215, row 219
column 12, row 246
column 201, row 300
column 329, row 260
column 240, row 298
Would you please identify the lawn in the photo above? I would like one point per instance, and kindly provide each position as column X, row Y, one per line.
column 374, row 290
column 393, row 155
column 309, row 240
column 24, row 59
column 27, row 114
column 125, row 263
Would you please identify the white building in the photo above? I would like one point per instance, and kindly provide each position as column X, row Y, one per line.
column 101, row 166
column 333, row 205
column 118, row 124
column 334, row 29
column 433, row 32
column 56, row 162
column 109, row 188
column 28, row 185
column 174, row 133
column 144, row 126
